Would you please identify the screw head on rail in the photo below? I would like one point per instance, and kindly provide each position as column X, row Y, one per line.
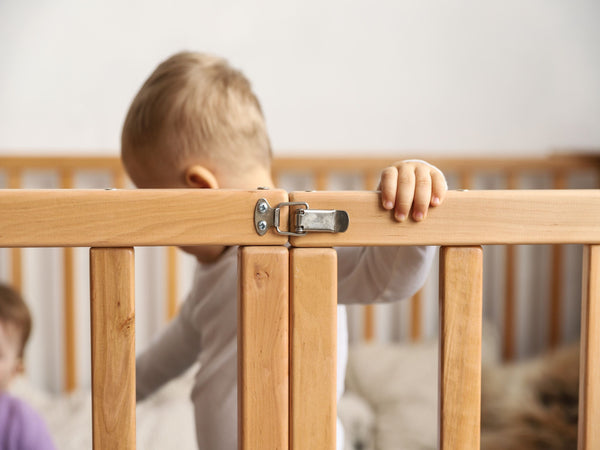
column 262, row 225
column 262, row 208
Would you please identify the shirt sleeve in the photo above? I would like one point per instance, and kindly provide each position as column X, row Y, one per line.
column 169, row 355
column 382, row 274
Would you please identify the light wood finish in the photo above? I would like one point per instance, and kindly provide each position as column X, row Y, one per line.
column 556, row 279
column 509, row 338
column 416, row 316
column 368, row 323
column 14, row 182
column 113, row 347
column 69, row 312
column 509, row 334
column 263, row 348
column 115, row 218
column 313, row 331
column 461, row 272
column 544, row 164
column 589, row 370
column 465, row 218
column 172, row 291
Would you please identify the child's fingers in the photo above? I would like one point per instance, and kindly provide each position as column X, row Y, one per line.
column 405, row 192
column 422, row 192
column 439, row 188
column 388, row 186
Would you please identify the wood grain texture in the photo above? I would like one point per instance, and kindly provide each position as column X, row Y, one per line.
column 263, row 348
column 465, row 218
column 461, row 271
column 113, row 347
column 589, row 370
column 313, row 335
column 116, row 218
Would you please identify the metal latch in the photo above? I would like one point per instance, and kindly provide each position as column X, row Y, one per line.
column 305, row 219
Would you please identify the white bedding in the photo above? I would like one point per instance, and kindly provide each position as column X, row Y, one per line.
column 164, row 421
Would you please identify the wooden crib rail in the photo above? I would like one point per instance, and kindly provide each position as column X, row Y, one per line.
column 98, row 218
column 121, row 218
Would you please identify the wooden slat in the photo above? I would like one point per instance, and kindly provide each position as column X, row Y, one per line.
column 172, row 291
column 16, row 257
column 69, row 313
column 556, row 278
column 313, row 331
column 461, row 272
column 589, row 371
column 263, row 348
column 509, row 329
column 113, row 347
column 416, row 316
column 115, row 218
column 465, row 218
column 369, row 323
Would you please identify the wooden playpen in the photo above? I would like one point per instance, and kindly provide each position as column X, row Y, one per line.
column 277, row 411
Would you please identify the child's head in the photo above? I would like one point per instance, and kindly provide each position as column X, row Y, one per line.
column 195, row 111
column 15, row 327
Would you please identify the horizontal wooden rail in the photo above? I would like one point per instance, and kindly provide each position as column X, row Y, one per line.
column 120, row 218
column 465, row 218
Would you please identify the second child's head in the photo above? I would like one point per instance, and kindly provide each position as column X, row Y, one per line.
column 15, row 327
column 196, row 123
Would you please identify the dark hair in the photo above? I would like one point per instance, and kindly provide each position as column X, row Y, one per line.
column 14, row 310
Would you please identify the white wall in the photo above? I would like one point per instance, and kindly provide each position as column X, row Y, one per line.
column 431, row 76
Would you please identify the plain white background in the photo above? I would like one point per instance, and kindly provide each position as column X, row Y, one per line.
column 392, row 76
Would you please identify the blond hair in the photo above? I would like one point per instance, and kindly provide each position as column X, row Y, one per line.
column 196, row 105
column 14, row 311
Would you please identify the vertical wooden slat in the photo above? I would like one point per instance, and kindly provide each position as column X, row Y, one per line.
column 461, row 271
column 508, row 347
column 70, row 364
column 556, row 279
column 321, row 180
column 263, row 348
column 466, row 179
column 172, row 293
column 370, row 180
column 368, row 323
column 313, row 339
column 15, row 182
column 589, row 369
column 113, row 347
column 119, row 179
column 416, row 313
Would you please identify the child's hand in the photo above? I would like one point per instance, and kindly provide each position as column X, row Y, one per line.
column 412, row 183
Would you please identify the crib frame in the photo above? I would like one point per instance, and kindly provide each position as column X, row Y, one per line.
column 277, row 411
column 463, row 173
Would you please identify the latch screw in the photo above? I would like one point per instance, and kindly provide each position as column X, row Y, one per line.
column 262, row 208
column 262, row 225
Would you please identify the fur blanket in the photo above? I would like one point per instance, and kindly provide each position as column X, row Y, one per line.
column 391, row 399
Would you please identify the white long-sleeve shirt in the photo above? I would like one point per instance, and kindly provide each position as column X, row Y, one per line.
column 205, row 330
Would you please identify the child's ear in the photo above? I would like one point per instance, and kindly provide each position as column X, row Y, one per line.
column 200, row 177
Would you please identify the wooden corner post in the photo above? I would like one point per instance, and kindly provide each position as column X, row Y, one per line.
column 263, row 348
column 313, row 339
column 460, row 347
column 113, row 347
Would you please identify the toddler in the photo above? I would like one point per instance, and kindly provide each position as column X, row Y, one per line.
column 195, row 123
column 20, row 426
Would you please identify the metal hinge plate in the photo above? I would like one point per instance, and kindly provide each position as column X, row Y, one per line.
column 304, row 220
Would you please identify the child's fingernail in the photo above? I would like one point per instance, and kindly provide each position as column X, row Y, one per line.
column 418, row 216
column 435, row 201
column 400, row 217
column 388, row 205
